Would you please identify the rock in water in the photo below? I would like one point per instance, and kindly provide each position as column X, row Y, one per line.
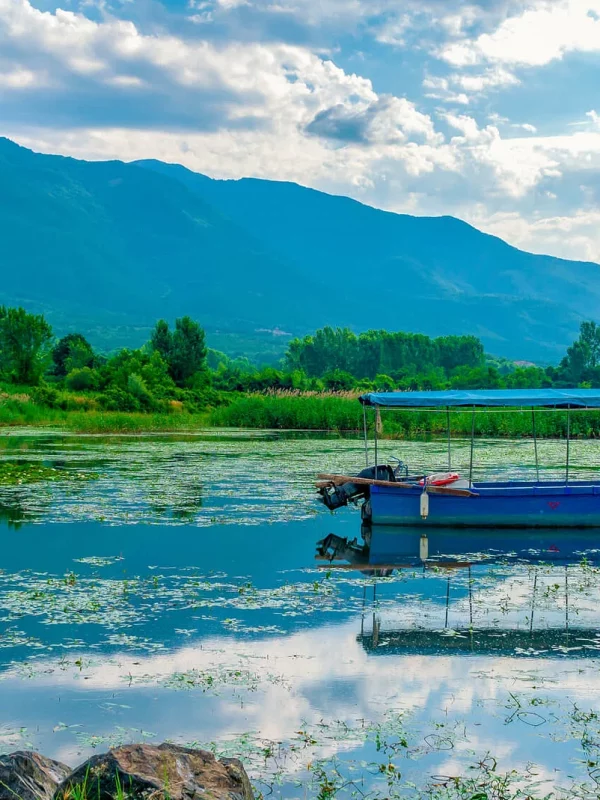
column 166, row 772
column 30, row 776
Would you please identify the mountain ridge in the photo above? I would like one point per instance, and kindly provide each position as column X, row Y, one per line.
column 103, row 244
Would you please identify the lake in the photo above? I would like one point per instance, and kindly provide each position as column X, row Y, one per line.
column 169, row 587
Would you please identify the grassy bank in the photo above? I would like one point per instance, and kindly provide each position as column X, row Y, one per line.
column 26, row 413
column 289, row 411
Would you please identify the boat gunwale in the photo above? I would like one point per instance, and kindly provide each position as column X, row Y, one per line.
column 507, row 488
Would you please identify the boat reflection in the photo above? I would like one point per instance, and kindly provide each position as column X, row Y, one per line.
column 518, row 593
column 386, row 548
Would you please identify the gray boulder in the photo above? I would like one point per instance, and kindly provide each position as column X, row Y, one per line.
column 30, row 776
column 166, row 772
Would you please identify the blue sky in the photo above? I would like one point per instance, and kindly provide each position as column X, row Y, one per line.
column 489, row 111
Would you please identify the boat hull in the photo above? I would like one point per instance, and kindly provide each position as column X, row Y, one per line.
column 518, row 504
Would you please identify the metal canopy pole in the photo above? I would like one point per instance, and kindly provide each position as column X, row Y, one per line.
column 537, row 466
column 449, row 449
column 366, row 437
column 568, row 441
column 472, row 442
column 375, row 436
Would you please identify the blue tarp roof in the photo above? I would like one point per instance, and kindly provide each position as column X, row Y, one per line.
column 500, row 398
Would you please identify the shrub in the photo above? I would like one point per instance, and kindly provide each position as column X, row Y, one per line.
column 115, row 399
column 45, row 395
column 82, row 380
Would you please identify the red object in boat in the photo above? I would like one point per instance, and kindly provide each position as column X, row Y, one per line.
column 440, row 479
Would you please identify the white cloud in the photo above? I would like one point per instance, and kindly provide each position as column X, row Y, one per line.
column 459, row 88
column 112, row 89
column 576, row 235
column 20, row 79
column 537, row 34
column 491, row 78
column 264, row 97
column 595, row 118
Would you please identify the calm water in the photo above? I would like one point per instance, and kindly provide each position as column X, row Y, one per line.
column 173, row 592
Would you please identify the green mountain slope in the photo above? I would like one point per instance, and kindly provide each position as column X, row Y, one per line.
column 435, row 275
column 107, row 243
column 107, row 247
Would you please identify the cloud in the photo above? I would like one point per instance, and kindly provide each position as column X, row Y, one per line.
column 573, row 235
column 269, row 109
column 541, row 32
column 19, row 79
column 266, row 89
column 594, row 118
column 491, row 78
column 388, row 120
column 459, row 88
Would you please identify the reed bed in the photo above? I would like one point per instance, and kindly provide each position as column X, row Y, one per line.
column 14, row 413
column 342, row 412
column 288, row 410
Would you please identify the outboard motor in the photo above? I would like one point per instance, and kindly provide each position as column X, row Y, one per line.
column 337, row 496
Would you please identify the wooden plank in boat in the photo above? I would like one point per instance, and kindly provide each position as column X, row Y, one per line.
column 327, row 479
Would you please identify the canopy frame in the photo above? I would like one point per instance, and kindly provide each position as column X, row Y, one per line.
column 560, row 400
column 505, row 399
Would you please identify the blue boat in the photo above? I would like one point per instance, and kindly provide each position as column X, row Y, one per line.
column 392, row 497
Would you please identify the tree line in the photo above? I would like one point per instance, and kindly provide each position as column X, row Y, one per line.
column 170, row 369
column 175, row 368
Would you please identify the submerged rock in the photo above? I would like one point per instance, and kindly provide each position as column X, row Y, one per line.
column 30, row 776
column 163, row 772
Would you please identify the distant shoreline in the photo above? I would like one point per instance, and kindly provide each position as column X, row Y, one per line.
column 325, row 413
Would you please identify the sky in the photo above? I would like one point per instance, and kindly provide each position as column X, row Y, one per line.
column 488, row 111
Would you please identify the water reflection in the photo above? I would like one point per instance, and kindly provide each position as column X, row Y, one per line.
column 231, row 632
column 518, row 594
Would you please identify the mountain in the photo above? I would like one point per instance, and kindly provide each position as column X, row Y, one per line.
column 436, row 275
column 107, row 247
column 107, row 244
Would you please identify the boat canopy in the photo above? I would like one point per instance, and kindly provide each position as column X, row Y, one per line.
column 489, row 398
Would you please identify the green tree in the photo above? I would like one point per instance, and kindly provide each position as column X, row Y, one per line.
column 188, row 355
column 583, row 356
column 336, row 380
column 162, row 340
column 24, row 345
column 73, row 351
column 184, row 350
column 82, row 379
column 150, row 367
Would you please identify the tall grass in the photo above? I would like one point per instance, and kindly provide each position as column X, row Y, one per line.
column 342, row 412
column 328, row 412
column 26, row 413
column 302, row 411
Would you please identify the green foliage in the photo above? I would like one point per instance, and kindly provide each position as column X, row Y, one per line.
column 137, row 388
column 336, row 380
column 183, row 350
column 150, row 367
column 82, row 380
column 24, row 345
column 582, row 362
column 303, row 412
column 381, row 352
column 71, row 352
column 188, row 355
column 162, row 340
column 44, row 395
column 176, row 374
